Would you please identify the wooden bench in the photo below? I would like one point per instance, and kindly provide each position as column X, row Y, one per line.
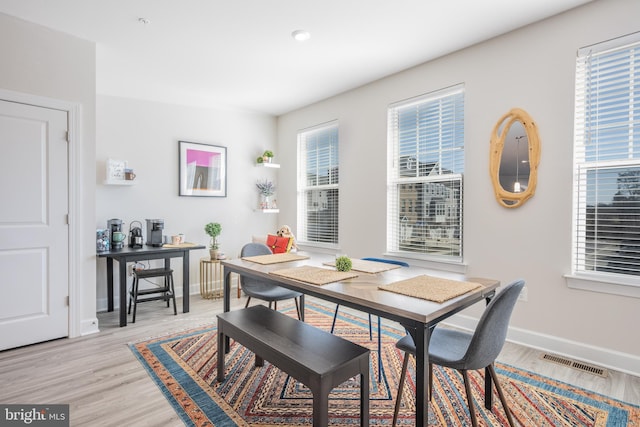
column 316, row 358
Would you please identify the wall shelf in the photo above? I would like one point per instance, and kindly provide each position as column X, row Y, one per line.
column 267, row 202
column 118, row 182
column 268, row 165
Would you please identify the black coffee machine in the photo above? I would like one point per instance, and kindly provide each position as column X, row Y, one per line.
column 154, row 232
column 114, row 225
column 135, row 235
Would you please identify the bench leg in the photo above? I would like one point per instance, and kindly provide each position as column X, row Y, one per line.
column 221, row 353
column 321, row 408
column 259, row 361
column 364, row 397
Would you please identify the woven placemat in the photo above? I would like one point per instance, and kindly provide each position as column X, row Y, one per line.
column 366, row 266
column 314, row 275
column 430, row 288
column 275, row 258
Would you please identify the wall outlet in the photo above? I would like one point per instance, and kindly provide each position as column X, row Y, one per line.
column 524, row 294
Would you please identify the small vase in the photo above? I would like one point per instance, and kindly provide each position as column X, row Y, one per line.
column 266, row 202
column 213, row 254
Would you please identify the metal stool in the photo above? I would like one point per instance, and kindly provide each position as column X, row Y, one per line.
column 160, row 293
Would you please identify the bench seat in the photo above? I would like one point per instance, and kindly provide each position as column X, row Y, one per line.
column 316, row 358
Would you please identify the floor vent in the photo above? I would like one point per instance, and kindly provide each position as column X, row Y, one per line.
column 595, row 370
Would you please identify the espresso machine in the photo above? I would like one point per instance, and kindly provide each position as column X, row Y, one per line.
column 135, row 235
column 114, row 225
column 154, row 232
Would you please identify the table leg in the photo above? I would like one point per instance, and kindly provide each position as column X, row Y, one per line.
column 185, row 281
column 122, row 268
column 239, row 288
column 421, row 340
column 109, row 284
column 302, row 307
column 488, row 395
column 226, row 296
column 379, row 349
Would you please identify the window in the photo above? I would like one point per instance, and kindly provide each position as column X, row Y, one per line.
column 426, row 162
column 318, row 185
column 606, row 234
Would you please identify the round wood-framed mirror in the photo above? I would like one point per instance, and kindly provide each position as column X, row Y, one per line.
column 514, row 158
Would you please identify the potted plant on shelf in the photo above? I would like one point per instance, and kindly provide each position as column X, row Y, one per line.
column 267, row 156
column 213, row 229
column 267, row 190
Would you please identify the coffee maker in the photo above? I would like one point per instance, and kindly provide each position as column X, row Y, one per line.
column 154, row 232
column 114, row 225
column 135, row 235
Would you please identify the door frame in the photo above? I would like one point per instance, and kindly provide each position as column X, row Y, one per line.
column 74, row 154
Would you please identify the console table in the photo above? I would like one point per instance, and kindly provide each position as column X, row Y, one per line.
column 126, row 255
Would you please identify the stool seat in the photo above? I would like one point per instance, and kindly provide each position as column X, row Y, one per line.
column 164, row 292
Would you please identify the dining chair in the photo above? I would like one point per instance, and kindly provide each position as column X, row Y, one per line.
column 466, row 351
column 335, row 314
column 264, row 289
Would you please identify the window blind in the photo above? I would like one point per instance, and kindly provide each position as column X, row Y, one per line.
column 426, row 163
column 606, row 235
column 318, row 179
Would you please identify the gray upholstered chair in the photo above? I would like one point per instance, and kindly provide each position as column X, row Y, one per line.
column 264, row 289
column 464, row 351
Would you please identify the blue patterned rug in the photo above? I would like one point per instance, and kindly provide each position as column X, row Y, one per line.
column 183, row 365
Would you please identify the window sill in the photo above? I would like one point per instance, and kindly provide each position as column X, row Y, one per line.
column 603, row 283
column 429, row 262
column 326, row 248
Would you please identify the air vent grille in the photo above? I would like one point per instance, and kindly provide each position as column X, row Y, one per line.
column 595, row 370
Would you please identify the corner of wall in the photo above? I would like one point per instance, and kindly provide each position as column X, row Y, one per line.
column 89, row 326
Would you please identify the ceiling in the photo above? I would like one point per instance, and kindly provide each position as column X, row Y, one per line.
column 240, row 54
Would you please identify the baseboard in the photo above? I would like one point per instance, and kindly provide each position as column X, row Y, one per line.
column 89, row 326
column 606, row 358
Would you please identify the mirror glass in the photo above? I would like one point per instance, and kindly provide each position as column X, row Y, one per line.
column 514, row 162
column 515, row 154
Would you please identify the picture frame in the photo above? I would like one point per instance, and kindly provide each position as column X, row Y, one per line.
column 115, row 169
column 202, row 169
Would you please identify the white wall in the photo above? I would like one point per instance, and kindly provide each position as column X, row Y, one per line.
column 38, row 61
column 532, row 68
column 146, row 134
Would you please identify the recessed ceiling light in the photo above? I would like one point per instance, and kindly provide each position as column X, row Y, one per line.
column 301, row 35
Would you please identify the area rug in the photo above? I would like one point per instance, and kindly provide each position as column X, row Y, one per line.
column 183, row 365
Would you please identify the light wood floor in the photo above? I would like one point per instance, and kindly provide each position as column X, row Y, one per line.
column 106, row 386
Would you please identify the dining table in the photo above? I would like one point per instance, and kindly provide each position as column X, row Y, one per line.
column 361, row 291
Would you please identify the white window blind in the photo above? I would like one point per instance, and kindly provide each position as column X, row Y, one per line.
column 606, row 235
column 426, row 163
column 318, row 179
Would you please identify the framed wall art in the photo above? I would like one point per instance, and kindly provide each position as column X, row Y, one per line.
column 203, row 170
column 115, row 169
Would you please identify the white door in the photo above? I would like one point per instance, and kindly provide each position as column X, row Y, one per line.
column 34, row 236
